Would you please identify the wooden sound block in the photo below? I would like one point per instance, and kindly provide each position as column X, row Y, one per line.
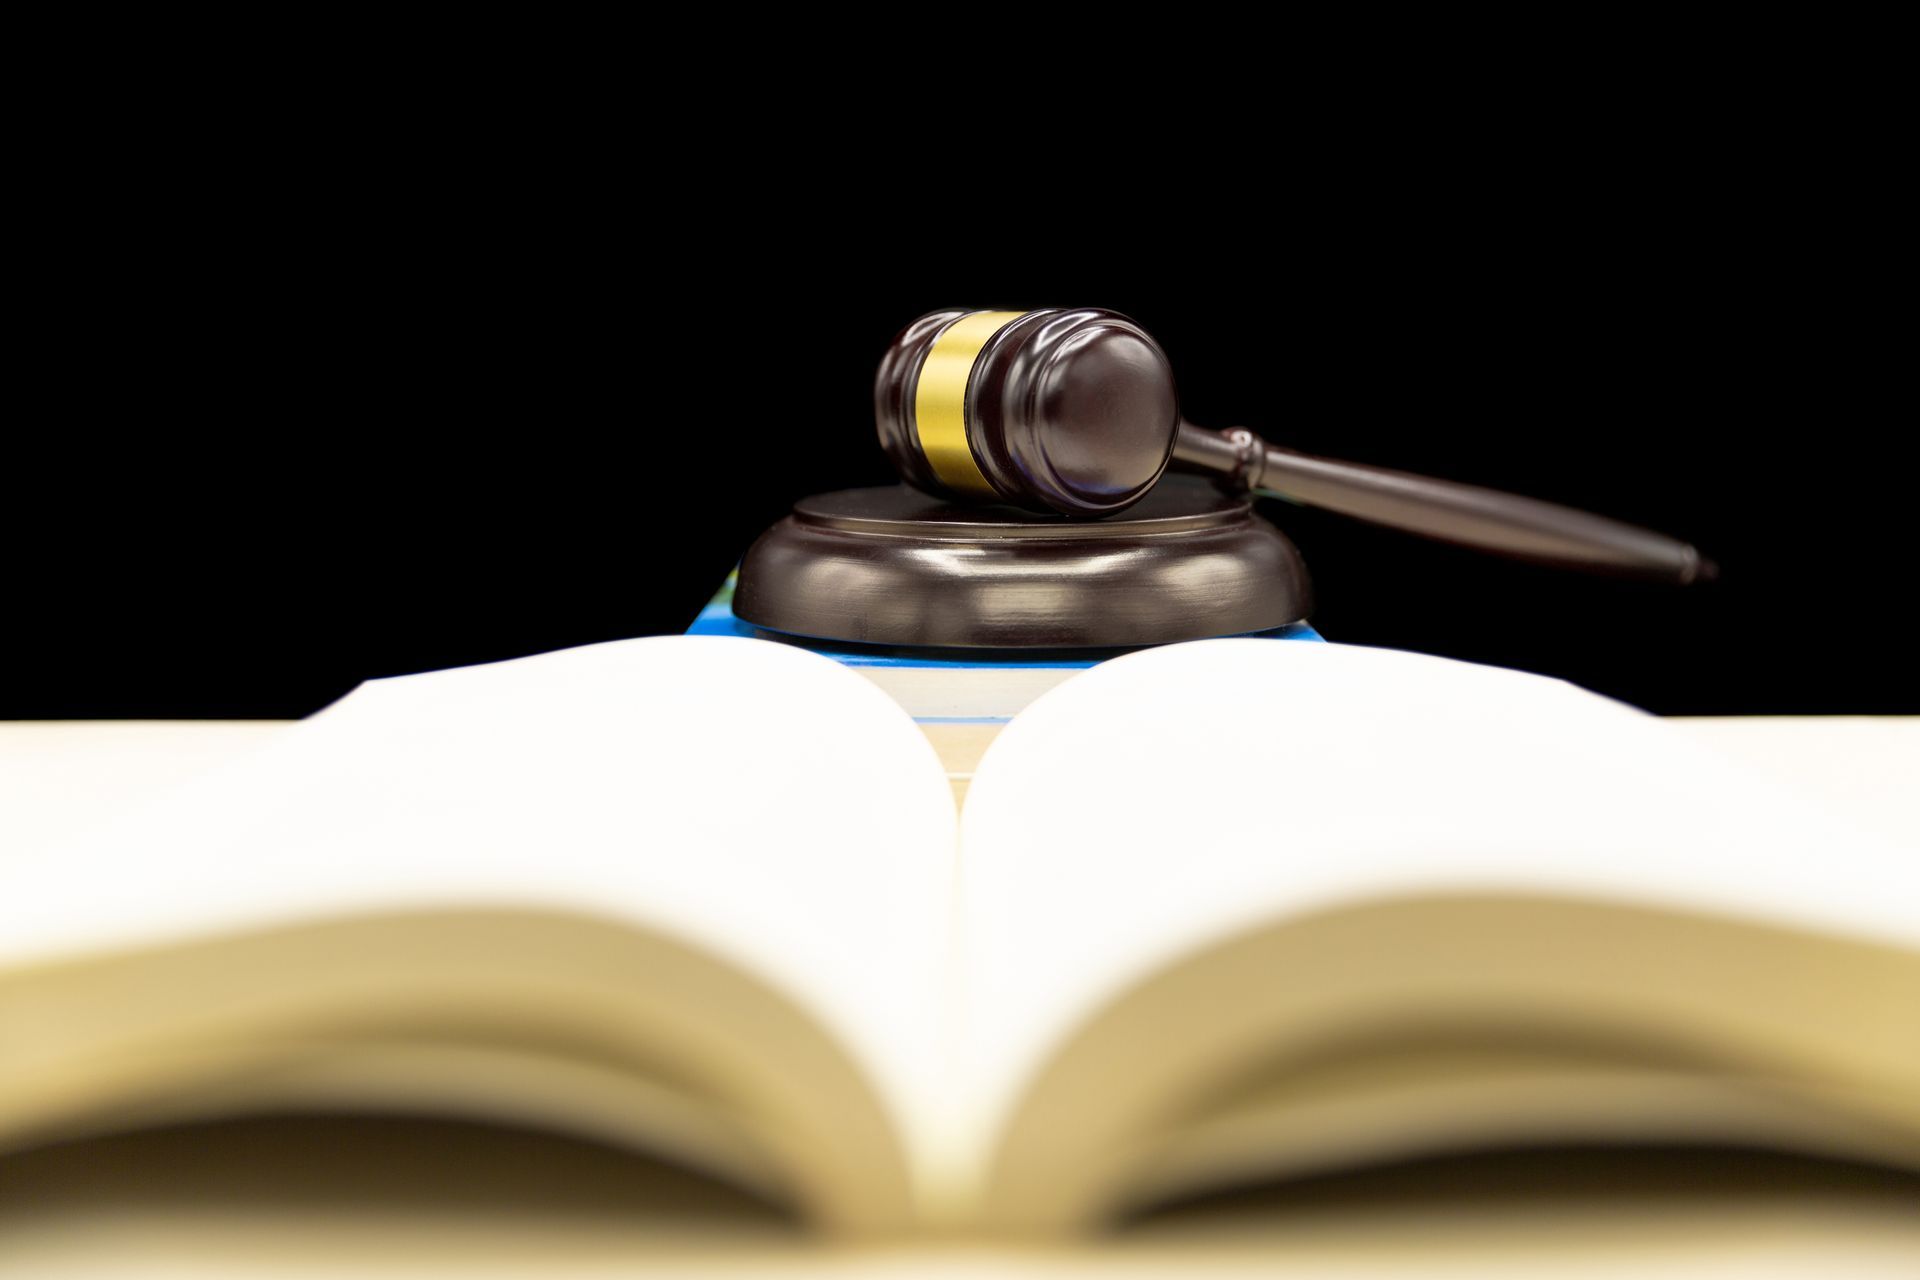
column 895, row 566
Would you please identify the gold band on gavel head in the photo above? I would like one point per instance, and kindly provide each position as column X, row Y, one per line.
column 940, row 399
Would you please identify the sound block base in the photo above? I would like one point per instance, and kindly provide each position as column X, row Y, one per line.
column 894, row 566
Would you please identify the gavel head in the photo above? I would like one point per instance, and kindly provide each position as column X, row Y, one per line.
column 1064, row 410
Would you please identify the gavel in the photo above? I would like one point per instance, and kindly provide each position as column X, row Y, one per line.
column 1073, row 411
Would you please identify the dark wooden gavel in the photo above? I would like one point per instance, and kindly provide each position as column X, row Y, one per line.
column 1073, row 410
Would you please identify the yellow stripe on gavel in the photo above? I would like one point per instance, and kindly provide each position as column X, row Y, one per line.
column 940, row 399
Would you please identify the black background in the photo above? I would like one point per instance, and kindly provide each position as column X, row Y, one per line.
column 277, row 435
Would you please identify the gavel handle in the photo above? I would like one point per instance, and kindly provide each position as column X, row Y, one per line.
column 1485, row 519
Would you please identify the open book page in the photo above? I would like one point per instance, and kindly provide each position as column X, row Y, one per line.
column 1866, row 767
column 58, row 777
column 1417, row 848
column 749, row 808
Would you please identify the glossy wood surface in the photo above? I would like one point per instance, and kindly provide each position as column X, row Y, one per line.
column 893, row 566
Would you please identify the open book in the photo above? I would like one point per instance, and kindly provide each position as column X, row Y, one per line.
column 1211, row 913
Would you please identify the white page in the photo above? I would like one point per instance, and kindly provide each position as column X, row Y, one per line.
column 58, row 777
column 1174, row 796
column 760, row 799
